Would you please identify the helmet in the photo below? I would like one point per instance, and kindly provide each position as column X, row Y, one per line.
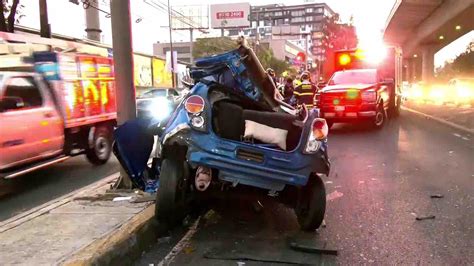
column 305, row 75
column 271, row 72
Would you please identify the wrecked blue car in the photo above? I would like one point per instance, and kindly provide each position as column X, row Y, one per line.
column 233, row 131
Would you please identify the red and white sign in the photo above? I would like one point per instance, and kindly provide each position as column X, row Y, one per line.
column 230, row 15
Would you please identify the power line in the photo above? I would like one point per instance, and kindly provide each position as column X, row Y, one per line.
column 177, row 15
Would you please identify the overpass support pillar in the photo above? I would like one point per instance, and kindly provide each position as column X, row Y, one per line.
column 427, row 63
column 410, row 69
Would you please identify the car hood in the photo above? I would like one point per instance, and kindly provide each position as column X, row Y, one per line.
column 343, row 87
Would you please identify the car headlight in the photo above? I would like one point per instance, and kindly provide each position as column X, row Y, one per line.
column 160, row 108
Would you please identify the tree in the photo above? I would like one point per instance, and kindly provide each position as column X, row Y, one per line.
column 268, row 60
column 8, row 14
column 339, row 35
column 336, row 36
column 460, row 66
column 210, row 46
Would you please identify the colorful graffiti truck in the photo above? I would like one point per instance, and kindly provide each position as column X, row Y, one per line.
column 61, row 106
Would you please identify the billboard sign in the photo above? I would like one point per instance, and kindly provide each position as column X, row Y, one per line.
column 161, row 77
column 142, row 71
column 190, row 16
column 230, row 15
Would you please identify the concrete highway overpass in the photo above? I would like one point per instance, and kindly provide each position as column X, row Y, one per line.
column 423, row 27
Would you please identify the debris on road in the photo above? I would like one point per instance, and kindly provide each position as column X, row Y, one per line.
column 429, row 217
column 334, row 195
column 361, row 182
column 257, row 206
column 165, row 239
column 145, row 198
column 122, row 198
column 437, row 196
column 188, row 249
column 312, row 249
column 246, row 257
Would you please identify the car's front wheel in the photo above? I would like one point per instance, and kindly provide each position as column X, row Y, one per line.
column 171, row 196
column 311, row 204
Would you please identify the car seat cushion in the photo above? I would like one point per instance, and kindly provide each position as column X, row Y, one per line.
column 266, row 134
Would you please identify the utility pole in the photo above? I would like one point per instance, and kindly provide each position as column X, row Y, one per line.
column 93, row 23
column 171, row 44
column 306, row 51
column 191, row 44
column 45, row 28
column 123, row 67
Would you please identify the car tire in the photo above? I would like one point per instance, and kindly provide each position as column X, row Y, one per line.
column 311, row 205
column 380, row 117
column 170, row 197
column 101, row 148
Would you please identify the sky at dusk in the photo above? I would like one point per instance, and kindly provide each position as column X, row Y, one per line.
column 149, row 24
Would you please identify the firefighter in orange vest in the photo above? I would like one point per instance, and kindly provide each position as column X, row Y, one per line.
column 304, row 92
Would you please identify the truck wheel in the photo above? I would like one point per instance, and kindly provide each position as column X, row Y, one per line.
column 100, row 151
column 395, row 110
column 311, row 204
column 171, row 194
column 380, row 117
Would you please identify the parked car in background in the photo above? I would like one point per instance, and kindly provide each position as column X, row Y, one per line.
column 157, row 103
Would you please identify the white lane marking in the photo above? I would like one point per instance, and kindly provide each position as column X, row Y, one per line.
column 181, row 244
column 461, row 137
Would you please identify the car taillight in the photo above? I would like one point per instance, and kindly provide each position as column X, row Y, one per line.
column 194, row 104
column 320, row 128
column 369, row 96
column 319, row 132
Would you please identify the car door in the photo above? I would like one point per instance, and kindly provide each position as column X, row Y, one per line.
column 32, row 131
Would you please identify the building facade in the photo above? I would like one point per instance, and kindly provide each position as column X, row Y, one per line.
column 298, row 23
column 183, row 49
column 282, row 49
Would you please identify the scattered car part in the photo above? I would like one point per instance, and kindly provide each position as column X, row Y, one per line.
column 312, row 249
column 203, row 178
column 428, row 217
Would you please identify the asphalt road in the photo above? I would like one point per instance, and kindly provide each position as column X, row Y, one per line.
column 36, row 188
column 384, row 180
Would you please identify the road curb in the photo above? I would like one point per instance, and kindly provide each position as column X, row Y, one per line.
column 440, row 120
column 123, row 245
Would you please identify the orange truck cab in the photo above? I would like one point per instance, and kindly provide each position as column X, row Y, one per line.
column 360, row 90
column 62, row 106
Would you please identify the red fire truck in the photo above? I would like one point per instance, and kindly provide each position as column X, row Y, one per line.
column 361, row 89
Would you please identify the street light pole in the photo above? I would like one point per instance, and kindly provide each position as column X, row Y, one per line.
column 123, row 68
column 171, row 44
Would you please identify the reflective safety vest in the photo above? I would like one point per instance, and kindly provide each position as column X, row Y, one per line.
column 304, row 93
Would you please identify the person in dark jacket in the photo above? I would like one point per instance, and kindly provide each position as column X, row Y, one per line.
column 304, row 93
column 288, row 89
